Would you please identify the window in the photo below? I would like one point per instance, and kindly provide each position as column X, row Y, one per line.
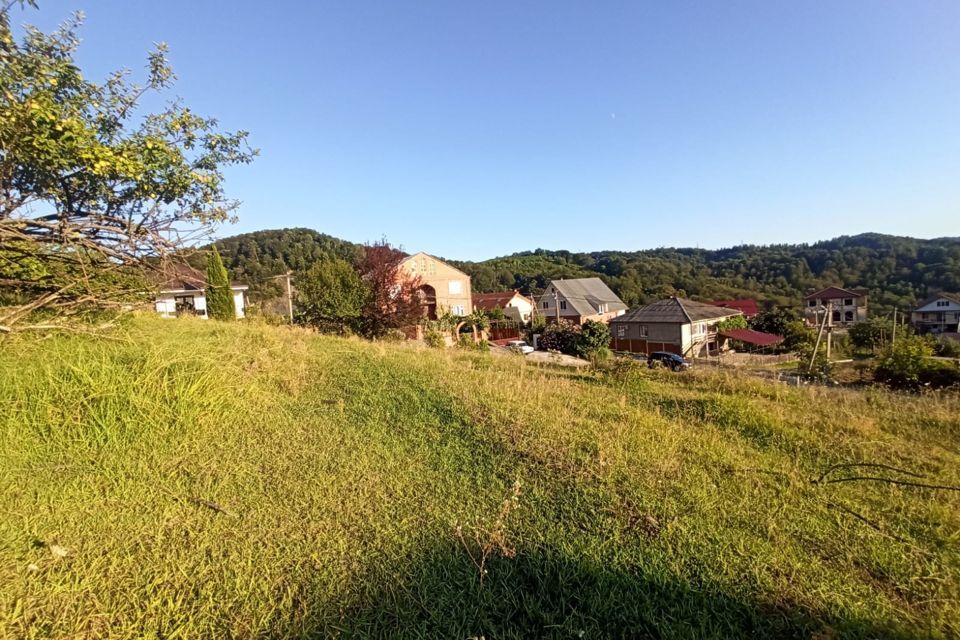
column 457, row 309
column 836, row 316
column 602, row 307
column 546, row 305
column 563, row 304
column 644, row 331
column 621, row 330
column 848, row 302
column 811, row 303
column 943, row 303
column 455, row 287
column 848, row 316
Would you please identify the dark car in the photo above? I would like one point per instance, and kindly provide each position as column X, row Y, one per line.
column 667, row 359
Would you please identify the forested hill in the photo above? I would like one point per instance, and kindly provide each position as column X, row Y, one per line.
column 255, row 257
column 897, row 270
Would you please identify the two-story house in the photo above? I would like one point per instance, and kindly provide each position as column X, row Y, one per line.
column 578, row 300
column 939, row 313
column 685, row 327
column 442, row 287
column 846, row 307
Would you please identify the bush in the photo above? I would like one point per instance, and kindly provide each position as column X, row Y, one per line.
column 938, row 375
column 594, row 337
column 945, row 348
column 393, row 335
column 562, row 337
column 434, row 339
column 901, row 365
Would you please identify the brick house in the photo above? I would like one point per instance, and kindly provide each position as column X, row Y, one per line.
column 443, row 287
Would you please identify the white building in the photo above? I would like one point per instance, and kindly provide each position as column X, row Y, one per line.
column 182, row 291
column 938, row 314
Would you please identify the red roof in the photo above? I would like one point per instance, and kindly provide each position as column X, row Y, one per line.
column 496, row 300
column 750, row 336
column 834, row 293
column 746, row 306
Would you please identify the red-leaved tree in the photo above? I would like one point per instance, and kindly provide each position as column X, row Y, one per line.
column 394, row 301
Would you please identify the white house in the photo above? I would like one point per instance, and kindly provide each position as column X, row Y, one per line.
column 938, row 314
column 514, row 305
column 182, row 291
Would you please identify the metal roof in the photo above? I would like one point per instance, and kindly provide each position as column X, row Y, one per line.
column 677, row 310
column 750, row 336
column 749, row 307
column 497, row 299
column 586, row 295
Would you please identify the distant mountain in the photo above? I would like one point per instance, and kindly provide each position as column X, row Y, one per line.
column 897, row 270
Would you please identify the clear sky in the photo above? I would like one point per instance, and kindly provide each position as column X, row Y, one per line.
column 475, row 129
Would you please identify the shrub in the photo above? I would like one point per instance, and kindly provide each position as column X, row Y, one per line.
column 561, row 337
column 900, row 365
column 220, row 304
column 434, row 339
column 947, row 348
column 938, row 375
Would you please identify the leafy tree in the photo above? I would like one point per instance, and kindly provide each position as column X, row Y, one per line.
column 901, row 364
column 91, row 190
column 394, row 301
column 871, row 335
column 733, row 322
column 594, row 337
column 331, row 296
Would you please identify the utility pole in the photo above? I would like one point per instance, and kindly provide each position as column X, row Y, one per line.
column 829, row 327
column 816, row 347
column 289, row 298
column 893, row 335
column 556, row 303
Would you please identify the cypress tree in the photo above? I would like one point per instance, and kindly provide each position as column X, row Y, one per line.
column 219, row 296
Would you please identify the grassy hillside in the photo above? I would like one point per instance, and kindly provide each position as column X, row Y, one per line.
column 191, row 479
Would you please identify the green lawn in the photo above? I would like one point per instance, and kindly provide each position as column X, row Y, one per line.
column 187, row 479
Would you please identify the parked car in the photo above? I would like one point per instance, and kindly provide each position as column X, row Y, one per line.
column 667, row 359
column 519, row 346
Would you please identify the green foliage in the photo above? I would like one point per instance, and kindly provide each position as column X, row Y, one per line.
column 86, row 192
column 220, row 304
column 434, row 338
column 733, row 322
column 328, row 487
column 331, row 297
column 901, row 365
column 871, row 335
column 563, row 337
column 946, row 348
column 594, row 337
column 254, row 258
column 897, row 270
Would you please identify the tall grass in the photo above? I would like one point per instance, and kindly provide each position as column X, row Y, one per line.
column 191, row 479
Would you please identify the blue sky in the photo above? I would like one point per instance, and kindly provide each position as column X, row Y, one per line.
column 471, row 130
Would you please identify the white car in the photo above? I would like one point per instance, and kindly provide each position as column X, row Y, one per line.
column 519, row 346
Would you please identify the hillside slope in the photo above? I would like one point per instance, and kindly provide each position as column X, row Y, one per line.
column 191, row 479
column 899, row 271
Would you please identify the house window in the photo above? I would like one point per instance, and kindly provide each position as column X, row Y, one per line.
column 563, row 304
column 811, row 303
column 943, row 303
column 644, row 331
column 621, row 330
column 848, row 316
column 455, row 287
column 602, row 308
column 457, row 309
column 836, row 316
column 848, row 302
column 184, row 304
column 546, row 305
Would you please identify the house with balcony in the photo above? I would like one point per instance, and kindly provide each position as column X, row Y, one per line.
column 677, row 325
column 845, row 307
column 938, row 314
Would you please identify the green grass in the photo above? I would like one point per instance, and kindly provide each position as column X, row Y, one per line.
column 211, row 480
